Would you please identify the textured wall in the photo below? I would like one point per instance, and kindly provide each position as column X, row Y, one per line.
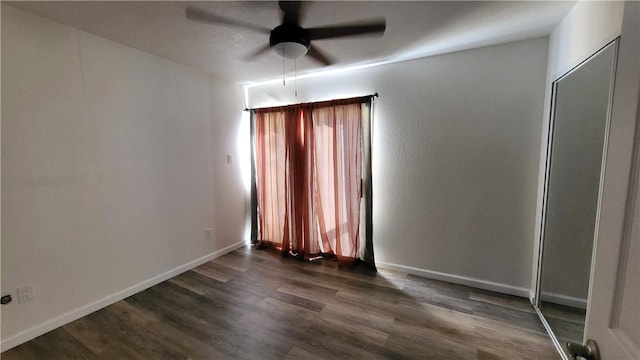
column 456, row 143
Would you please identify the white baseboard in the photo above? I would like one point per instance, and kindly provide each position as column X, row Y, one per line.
column 571, row 301
column 72, row 315
column 457, row 279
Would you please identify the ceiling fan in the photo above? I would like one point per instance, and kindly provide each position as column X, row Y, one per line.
column 289, row 39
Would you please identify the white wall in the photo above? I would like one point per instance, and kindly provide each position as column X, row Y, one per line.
column 588, row 27
column 456, row 143
column 113, row 166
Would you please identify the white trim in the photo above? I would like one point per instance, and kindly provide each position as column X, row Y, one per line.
column 457, row 279
column 72, row 315
column 560, row 299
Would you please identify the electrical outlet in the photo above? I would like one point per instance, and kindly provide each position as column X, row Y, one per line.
column 25, row 294
column 229, row 159
column 5, row 299
column 209, row 233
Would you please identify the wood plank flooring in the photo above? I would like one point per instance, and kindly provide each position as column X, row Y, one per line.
column 254, row 304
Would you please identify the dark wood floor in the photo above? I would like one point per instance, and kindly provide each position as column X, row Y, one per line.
column 254, row 304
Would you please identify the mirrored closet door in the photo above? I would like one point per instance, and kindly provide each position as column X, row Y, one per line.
column 581, row 102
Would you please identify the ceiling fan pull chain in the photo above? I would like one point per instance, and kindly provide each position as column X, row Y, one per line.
column 283, row 83
column 295, row 77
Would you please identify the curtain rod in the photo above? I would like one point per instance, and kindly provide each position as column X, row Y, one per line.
column 358, row 98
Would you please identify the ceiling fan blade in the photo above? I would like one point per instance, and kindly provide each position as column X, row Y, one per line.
column 375, row 27
column 291, row 12
column 206, row 17
column 320, row 56
column 257, row 53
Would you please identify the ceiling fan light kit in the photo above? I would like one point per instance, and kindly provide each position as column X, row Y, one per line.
column 290, row 49
column 289, row 41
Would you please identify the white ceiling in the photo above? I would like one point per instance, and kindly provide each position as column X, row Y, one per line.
column 414, row 29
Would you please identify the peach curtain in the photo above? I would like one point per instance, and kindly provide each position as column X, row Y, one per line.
column 309, row 169
column 338, row 169
column 271, row 155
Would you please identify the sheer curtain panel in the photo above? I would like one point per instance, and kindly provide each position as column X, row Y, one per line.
column 308, row 178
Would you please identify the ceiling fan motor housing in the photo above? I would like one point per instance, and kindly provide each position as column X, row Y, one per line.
column 290, row 41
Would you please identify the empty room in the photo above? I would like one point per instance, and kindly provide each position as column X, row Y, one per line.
column 320, row 180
